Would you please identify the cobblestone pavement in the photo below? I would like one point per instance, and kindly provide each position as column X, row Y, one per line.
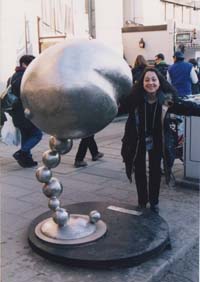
column 22, row 200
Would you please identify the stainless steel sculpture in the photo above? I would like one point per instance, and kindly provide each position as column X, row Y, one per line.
column 72, row 90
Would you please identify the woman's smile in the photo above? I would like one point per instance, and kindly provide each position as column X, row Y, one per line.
column 151, row 82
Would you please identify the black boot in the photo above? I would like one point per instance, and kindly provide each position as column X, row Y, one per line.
column 16, row 155
column 154, row 208
column 24, row 159
column 97, row 156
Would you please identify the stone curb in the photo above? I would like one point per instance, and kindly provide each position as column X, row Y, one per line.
column 187, row 183
column 120, row 118
column 165, row 267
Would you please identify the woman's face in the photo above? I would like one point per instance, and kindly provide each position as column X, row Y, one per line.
column 151, row 82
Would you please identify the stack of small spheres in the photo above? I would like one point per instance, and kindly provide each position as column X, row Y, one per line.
column 52, row 187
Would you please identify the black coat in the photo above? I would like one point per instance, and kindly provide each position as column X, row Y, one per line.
column 133, row 137
column 17, row 113
column 137, row 72
column 163, row 68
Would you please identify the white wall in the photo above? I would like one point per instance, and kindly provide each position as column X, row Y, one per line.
column 152, row 12
column 81, row 28
column 133, row 11
column 13, row 14
column 12, row 34
column 109, row 21
column 156, row 42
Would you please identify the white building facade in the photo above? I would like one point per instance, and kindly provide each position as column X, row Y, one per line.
column 30, row 26
column 164, row 26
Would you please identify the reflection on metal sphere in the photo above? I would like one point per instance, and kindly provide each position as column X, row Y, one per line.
column 63, row 146
column 27, row 113
column 43, row 174
column 72, row 89
column 60, row 216
column 53, row 188
column 53, row 203
column 94, row 216
column 51, row 159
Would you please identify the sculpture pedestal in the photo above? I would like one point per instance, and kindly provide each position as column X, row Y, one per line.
column 132, row 237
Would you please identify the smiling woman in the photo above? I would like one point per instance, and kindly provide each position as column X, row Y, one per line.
column 148, row 130
column 151, row 85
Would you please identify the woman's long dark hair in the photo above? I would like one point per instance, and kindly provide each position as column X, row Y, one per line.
column 138, row 89
column 137, row 94
column 140, row 61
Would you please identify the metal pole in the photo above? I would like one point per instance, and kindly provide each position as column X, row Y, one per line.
column 174, row 37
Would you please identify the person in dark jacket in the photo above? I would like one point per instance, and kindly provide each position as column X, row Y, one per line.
column 30, row 134
column 196, row 86
column 139, row 66
column 181, row 75
column 147, row 130
column 87, row 143
column 161, row 65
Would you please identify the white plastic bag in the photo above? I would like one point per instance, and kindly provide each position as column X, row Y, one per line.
column 10, row 135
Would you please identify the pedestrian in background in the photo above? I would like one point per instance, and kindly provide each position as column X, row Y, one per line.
column 146, row 131
column 181, row 75
column 161, row 65
column 196, row 86
column 87, row 143
column 30, row 134
column 139, row 66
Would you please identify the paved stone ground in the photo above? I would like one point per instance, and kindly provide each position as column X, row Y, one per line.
column 186, row 269
column 22, row 200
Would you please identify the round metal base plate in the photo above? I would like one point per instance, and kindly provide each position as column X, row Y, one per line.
column 132, row 237
column 78, row 230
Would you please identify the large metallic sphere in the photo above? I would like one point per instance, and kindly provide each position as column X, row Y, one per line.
column 72, row 89
column 53, row 188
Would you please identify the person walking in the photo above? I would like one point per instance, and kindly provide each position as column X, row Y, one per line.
column 30, row 134
column 147, row 131
column 139, row 66
column 196, row 86
column 161, row 65
column 181, row 75
column 87, row 143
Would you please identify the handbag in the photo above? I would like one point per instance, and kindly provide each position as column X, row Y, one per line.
column 10, row 134
column 8, row 99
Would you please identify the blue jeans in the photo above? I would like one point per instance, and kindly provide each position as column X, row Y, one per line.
column 30, row 137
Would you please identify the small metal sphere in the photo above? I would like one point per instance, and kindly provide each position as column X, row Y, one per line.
column 51, row 159
column 43, row 174
column 53, row 203
column 94, row 216
column 53, row 188
column 62, row 146
column 60, row 216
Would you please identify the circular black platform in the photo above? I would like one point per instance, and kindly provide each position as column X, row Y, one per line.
column 130, row 239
